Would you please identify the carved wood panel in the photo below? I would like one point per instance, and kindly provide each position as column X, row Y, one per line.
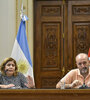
column 81, row 9
column 50, row 51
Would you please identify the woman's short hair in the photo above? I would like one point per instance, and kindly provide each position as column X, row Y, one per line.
column 5, row 61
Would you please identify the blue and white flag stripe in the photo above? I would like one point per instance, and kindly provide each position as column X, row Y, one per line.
column 22, row 40
column 20, row 51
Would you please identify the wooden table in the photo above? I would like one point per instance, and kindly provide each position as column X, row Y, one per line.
column 45, row 94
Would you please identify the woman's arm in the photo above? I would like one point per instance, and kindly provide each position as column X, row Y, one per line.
column 26, row 82
column 7, row 86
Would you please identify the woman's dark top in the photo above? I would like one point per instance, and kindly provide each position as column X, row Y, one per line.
column 18, row 80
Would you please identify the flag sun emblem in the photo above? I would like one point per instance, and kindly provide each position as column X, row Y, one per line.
column 22, row 66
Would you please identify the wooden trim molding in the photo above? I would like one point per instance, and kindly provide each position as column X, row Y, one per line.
column 45, row 94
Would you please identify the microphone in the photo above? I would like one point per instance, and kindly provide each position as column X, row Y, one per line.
column 6, row 71
column 83, row 86
column 15, row 87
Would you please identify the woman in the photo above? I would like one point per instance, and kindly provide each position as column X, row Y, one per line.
column 11, row 78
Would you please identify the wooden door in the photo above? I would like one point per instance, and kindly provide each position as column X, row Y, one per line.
column 78, row 29
column 62, row 30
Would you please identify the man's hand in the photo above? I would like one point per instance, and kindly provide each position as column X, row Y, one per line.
column 76, row 83
column 88, row 84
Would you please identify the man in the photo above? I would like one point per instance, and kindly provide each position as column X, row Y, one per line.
column 79, row 77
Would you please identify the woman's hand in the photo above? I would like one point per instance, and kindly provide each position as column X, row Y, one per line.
column 7, row 86
column 30, row 83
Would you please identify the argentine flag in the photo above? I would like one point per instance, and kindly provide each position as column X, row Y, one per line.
column 20, row 50
column 89, row 54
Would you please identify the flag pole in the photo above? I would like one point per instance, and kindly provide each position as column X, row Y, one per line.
column 22, row 12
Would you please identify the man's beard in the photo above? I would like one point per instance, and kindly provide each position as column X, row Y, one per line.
column 84, row 70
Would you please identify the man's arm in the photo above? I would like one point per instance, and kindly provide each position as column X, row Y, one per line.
column 74, row 84
column 59, row 84
column 67, row 79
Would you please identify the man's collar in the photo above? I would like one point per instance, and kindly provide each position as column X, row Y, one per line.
column 78, row 72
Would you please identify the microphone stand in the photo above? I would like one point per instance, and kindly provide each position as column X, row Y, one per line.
column 83, row 86
column 84, row 73
column 84, row 83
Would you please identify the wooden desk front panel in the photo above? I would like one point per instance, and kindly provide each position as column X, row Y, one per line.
column 47, row 94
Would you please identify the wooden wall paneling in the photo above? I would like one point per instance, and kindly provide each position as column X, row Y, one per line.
column 48, row 41
column 65, row 38
column 37, row 41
